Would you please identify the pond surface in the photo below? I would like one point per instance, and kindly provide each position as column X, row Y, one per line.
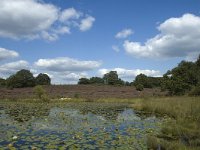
column 73, row 126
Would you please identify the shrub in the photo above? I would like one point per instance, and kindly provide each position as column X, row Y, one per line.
column 45, row 98
column 84, row 81
column 195, row 91
column 139, row 87
column 76, row 95
column 41, row 93
column 2, row 82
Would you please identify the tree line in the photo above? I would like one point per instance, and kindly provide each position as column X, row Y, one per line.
column 112, row 78
column 24, row 78
column 183, row 79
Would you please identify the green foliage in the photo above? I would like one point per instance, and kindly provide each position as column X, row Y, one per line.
column 45, row 98
column 120, row 82
column 182, row 78
column 111, row 78
column 43, row 79
column 195, row 91
column 147, row 82
column 96, row 80
column 180, row 128
column 76, row 95
column 188, row 72
column 40, row 92
column 198, row 61
column 139, row 87
column 2, row 82
column 23, row 78
column 142, row 79
column 84, row 81
column 175, row 85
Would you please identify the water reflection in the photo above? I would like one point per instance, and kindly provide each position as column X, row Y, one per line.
column 82, row 125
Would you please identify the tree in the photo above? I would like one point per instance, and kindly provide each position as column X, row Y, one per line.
column 43, row 79
column 187, row 71
column 84, row 81
column 96, row 80
column 111, row 78
column 175, row 85
column 198, row 62
column 23, row 78
column 143, row 80
column 182, row 78
column 2, row 82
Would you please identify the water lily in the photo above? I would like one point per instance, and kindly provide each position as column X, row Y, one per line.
column 14, row 137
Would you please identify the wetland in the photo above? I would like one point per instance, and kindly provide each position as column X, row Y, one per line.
column 70, row 125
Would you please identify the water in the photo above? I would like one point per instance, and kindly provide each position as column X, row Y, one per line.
column 73, row 126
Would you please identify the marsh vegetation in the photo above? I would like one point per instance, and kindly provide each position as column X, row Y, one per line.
column 148, row 123
column 74, row 126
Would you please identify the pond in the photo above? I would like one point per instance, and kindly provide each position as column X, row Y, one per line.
column 73, row 126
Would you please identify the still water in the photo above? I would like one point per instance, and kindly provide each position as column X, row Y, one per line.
column 73, row 126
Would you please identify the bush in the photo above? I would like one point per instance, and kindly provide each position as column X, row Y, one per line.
column 2, row 82
column 45, row 98
column 195, row 91
column 76, row 95
column 84, row 81
column 139, row 87
column 41, row 93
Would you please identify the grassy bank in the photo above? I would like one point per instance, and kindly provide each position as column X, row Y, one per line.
column 181, row 127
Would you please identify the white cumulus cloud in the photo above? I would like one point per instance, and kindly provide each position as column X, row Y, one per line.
column 179, row 37
column 23, row 18
column 35, row 19
column 12, row 67
column 6, row 54
column 68, row 14
column 62, row 64
column 128, row 74
column 124, row 33
column 86, row 23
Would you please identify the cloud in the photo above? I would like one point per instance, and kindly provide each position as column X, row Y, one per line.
column 6, row 54
column 130, row 74
column 12, row 67
column 178, row 37
column 124, row 33
column 65, row 70
column 62, row 30
column 63, row 64
column 86, row 23
column 68, row 14
column 34, row 19
column 115, row 48
column 62, row 77
column 23, row 18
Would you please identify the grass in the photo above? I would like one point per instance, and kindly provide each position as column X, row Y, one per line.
column 181, row 126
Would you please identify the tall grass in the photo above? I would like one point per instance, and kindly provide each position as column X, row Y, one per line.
column 181, row 128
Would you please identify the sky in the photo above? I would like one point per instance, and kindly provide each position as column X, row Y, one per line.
column 71, row 39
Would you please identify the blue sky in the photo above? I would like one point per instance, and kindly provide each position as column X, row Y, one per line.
column 69, row 39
